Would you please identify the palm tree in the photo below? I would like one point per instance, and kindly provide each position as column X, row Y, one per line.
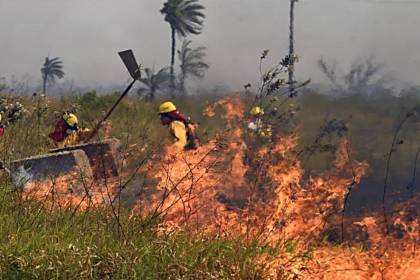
column 192, row 63
column 153, row 82
column 185, row 17
column 52, row 69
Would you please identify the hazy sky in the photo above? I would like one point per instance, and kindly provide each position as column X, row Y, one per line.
column 87, row 34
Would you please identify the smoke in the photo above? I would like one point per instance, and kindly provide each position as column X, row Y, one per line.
column 88, row 34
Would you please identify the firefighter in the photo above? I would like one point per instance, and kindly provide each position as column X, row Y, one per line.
column 67, row 130
column 181, row 127
column 257, row 125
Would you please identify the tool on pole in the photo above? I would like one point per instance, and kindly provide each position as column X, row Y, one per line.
column 133, row 68
column 94, row 160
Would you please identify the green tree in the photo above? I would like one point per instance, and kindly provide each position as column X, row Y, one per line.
column 153, row 82
column 185, row 17
column 191, row 63
column 51, row 70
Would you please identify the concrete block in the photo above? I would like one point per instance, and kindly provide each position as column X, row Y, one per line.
column 104, row 156
column 67, row 167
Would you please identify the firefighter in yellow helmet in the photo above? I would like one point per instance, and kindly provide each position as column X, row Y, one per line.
column 67, row 131
column 257, row 111
column 72, row 122
column 181, row 127
column 257, row 125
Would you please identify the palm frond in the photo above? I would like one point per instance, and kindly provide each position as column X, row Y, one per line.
column 192, row 60
column 185, row 16
column 153, row 82
column 52, row 69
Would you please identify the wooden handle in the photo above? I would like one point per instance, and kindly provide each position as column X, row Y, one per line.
column 98, row 126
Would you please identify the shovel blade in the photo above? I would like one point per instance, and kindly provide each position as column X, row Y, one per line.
column 130, row 63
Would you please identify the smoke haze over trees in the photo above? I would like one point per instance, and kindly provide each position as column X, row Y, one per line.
column 346, row 31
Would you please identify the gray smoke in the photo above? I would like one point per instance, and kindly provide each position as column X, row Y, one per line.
column 87, row 34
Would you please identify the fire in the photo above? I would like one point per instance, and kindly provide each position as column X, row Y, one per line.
column 70, row 190
column 232, row 186
column 225, row 192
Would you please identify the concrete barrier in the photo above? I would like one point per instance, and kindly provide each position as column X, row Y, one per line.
column 70, row 165
column 104, row 156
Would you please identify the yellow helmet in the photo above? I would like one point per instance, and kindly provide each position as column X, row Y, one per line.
column 257, row 111
column 70, row 119
column 167, row 107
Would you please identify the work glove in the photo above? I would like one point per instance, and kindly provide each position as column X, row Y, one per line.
column 252, row 126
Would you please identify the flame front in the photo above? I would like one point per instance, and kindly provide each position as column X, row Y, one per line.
column 235, row 186
column 227, row 186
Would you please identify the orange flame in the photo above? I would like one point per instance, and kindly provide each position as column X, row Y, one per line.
column 230, row 187
column 233, row 186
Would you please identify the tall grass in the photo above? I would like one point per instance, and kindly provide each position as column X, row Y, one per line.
column 38, row 243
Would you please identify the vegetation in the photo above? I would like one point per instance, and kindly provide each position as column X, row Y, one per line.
column 44, row 241
column 371, row 122
column 44, row 244
column 3, row 85
column 191, row 63
column 51, row 70
column 363, row 76
column 185, row 17
column 55, row 244
column 153, row 83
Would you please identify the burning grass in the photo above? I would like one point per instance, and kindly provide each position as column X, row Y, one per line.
column 231, row 188
column 40, row 243
column 239, row 207
column 229, row 184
